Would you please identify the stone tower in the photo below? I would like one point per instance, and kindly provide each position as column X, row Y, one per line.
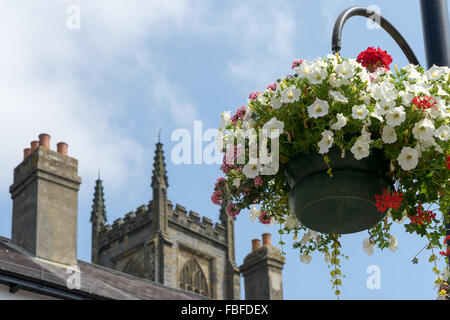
column 45, row 202
column 164, row 243
column 262, row 271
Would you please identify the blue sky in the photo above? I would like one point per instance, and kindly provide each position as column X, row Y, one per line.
column 107, row 88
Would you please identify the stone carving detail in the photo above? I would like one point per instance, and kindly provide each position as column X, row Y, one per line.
column 192, row 278
column 134, row 268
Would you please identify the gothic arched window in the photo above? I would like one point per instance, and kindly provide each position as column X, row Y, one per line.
column 134, row 268
column 192, row 278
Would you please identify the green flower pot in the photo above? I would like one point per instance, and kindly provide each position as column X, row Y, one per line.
column 344, row 203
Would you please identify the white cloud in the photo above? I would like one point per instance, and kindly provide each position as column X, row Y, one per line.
column 50, row 74
column 266, row 33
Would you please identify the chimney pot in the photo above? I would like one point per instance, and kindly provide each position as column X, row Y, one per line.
column 267, row 241
column 256, row 244
column 34, row 145
column 62, row 148
column 44, row 140
column 26, row 153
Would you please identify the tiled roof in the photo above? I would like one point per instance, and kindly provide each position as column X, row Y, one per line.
column 96, row 282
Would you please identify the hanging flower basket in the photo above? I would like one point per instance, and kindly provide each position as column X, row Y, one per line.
column 342, row 201
column 342, row 146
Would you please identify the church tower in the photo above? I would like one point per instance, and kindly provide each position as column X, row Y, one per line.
column 166, row 243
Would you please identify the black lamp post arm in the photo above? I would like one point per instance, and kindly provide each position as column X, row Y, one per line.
column 386, row 25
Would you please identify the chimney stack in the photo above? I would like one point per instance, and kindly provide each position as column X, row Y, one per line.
column 44, row 140
column 256, row 244
column 34, row 145
column 262, row 271
column 45, row 203
column 267, row 240
column 26, row 153
column 62, row 148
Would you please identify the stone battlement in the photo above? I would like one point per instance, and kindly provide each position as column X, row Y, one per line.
column 192, row 221
column 179, row 215
column 122, row 226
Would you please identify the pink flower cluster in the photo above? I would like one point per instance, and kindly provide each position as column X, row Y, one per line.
column 272, row 86
column 230, row 158
column 219, row 192
column 253, row 95
column 233, row 210
column 296, row 63
column 239, row 115
column 264, row 217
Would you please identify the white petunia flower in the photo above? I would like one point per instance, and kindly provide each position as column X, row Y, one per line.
column 407, row 97
column 424, row 130
column 263, row 99
column 408, row 158
column 254, row 213
column 386, row 105
column 360, row 149
column 389, row 135
column 443, row 132
column 292, row 222
column 393, row 243
column 435, row 72
column 276, row 102
column 446, row 274
column 226, row 120
column 383, row 91
column 273, row 128
column 327, row 257
column 317, row 75
column 337, row 96
column 304, row 68
column 359, row 112
column 341, row 122
column 365, row 134
column 309, row 235
column 290, row 94
column 326, row 142
column 368, row 246
column 345, row 70
column 237, row 182
column 412, row 72
column 336, row 81
column 251, row 170
column 318, row 109
column 396, row 117
column 305, row 258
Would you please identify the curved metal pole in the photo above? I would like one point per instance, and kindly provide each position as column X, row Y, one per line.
column 386, row 25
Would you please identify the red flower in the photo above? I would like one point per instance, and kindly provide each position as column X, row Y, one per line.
column 424, row 102
column 373, row 59
column 388, row 200
column 447, row 162
column 445, row 253
column 422, row 216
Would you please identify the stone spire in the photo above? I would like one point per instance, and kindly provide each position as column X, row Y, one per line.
column 98, row 214
column 159, row 185
column 98, row 217
column 159, row 168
